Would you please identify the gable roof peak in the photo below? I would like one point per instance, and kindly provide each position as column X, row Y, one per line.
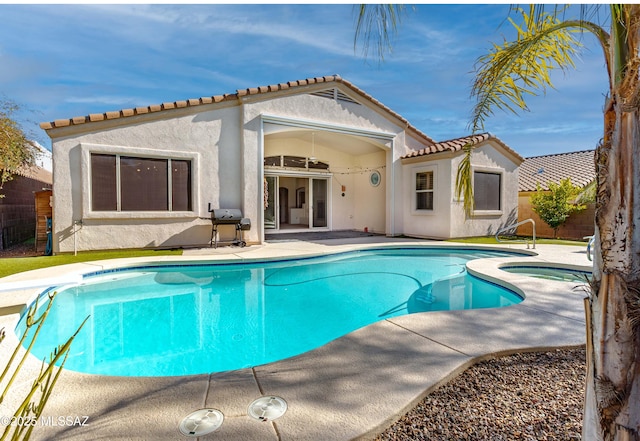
column 458, row 144
column 239, row 93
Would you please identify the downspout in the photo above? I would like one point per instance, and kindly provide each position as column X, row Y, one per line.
column 75, row 230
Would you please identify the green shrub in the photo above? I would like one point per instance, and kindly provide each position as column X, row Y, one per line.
column 556, row 205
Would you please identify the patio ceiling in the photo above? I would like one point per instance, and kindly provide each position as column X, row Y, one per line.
column 351, row 144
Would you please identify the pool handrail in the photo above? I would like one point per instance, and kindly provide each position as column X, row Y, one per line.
column 509, row 227
column 590, row 245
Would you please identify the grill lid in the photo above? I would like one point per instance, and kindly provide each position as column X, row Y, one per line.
column 226, row 215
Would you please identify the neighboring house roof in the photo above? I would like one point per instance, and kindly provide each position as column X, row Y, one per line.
column 45, row 158
column 457, row 144
column 37, row 173
column 124, row 113
column 578, row 166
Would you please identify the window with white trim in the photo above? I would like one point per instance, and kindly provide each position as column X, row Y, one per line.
column 128, row 183
column 487, row 190
column 424, row 190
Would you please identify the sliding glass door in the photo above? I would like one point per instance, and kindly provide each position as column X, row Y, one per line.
column 319, row 197
column 295, row 203
column 270, row 201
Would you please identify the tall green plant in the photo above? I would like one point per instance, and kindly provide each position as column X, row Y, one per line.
column 31, row 407
column 554, row 206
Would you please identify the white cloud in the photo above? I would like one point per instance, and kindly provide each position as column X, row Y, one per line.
column 151, row 24
column 109, row 100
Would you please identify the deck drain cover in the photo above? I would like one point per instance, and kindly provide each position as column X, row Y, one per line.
column 267, row 408
column 201, row 422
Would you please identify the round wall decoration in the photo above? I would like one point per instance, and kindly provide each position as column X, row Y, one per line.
column 375, row 178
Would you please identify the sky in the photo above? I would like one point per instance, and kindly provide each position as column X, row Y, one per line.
column 61, row 61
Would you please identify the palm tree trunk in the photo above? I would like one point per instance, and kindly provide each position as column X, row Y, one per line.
column 612, row 400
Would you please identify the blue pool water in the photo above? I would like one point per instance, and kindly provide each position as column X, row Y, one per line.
column 194, row 319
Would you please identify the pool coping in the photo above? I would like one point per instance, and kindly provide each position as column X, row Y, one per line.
column 351, row 388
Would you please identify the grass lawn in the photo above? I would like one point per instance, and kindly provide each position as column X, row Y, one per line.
column 15, row 265
column 492, row 240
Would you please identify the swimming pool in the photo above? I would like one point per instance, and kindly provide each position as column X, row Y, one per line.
column 192, row 319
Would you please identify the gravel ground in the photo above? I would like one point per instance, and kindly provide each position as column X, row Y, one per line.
column 533, row 396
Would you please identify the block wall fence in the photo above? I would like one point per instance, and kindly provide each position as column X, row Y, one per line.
column 577, row 226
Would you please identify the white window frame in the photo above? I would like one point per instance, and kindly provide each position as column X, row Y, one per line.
column 491, row 170
column 414, row 192
column 88, row 149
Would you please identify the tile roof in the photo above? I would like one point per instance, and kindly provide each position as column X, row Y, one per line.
column 457, row 144
column 124, row 113
column 579, row 166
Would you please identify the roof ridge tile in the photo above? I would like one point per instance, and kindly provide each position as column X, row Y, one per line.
column 457, row 144
column 228, row 97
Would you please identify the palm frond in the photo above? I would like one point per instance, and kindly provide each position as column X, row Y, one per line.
column 464, row 189
column 377, row 23
column 514, row 70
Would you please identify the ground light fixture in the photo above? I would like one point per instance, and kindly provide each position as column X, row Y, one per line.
column 267, row 408
column 204, row 421
column 201, row 422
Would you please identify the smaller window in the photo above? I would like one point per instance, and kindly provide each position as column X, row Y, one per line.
column 273, row 161
column 424, row 190
column 295, row 161
column 104, row 190
column 180, row 185
column 487, row 191
column 318, row 165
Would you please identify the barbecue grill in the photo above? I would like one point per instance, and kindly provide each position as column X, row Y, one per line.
column 228, row 216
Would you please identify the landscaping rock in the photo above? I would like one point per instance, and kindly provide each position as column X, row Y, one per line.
column 532, row 396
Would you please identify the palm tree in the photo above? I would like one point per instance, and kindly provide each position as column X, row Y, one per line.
column 504, row 78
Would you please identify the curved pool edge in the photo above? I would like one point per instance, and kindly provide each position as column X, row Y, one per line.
column 19, row 290
column 341, row 390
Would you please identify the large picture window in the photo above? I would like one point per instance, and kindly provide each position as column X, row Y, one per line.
column 424, row 190
column 487, row 191
column 127, row 183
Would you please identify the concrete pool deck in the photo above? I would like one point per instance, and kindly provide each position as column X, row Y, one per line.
column 351, row 388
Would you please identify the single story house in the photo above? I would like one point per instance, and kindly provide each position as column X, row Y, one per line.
column 540, row 170
column 312, row 155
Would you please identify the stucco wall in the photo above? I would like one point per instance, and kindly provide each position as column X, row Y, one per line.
column 338, row 115
column 489, row 158
column 431, row 224
column 209, row 138
column 225, row 145
column 307, row 107
column 369, row 201
column 448, row 219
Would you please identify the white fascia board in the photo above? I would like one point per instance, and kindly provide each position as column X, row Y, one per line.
column 307, row 124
